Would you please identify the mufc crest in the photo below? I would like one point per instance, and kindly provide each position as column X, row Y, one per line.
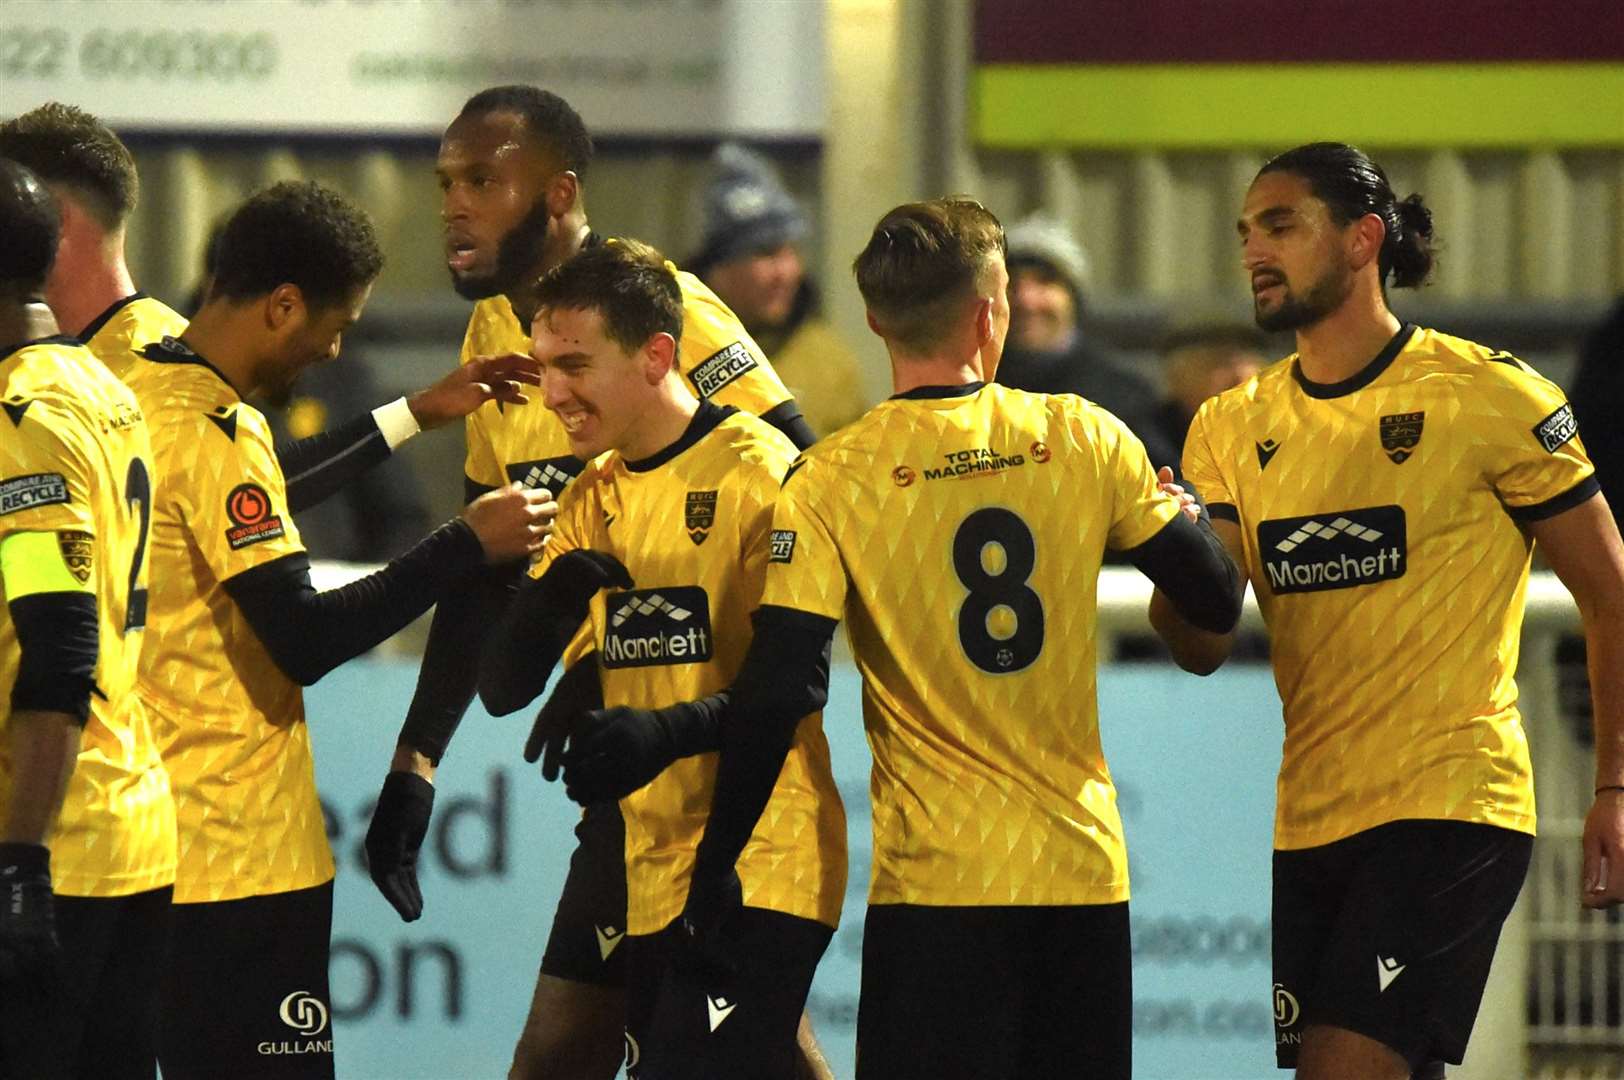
column 1401, row 434
column 699, row 515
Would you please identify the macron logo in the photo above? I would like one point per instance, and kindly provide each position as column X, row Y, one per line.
column 720, row 1008
column 1386, row 971
column 608, row 938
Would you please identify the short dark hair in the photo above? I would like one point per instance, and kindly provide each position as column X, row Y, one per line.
column 548, row 117
column 626, row 282
column 922, row 259
column 30, row 223
column 67, row 146
column 299, row 233
column 1352, row 185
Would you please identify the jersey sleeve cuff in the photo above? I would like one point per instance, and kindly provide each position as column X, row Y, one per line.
column 1224, row 512
column 396, row 422
column 1578, row 493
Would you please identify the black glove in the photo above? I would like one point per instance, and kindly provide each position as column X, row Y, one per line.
column 399, row 823
column 577, row 691
column 574, row 578
column 701, row 952
column 613, row 752
column 28, row 944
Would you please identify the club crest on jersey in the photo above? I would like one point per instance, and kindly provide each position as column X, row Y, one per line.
column 699, row 514
column 249, row 508
column 78, row 553
column 1041, row 453
column 1401, row 434
column 1339, row 549
column 1557, row 429
column 649, row 627
column 553, row 474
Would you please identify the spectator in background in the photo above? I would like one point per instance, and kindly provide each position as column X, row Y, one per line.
column 1047, row 351
column 751, row 258
column 1200, row 362
column 371, row 520
column 1598, row 401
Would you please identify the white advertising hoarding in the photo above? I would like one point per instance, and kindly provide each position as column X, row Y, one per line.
column 651, row 68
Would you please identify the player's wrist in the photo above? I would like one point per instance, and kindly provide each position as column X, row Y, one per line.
column 1616, row 790
column 26, row 860
column 409, row 760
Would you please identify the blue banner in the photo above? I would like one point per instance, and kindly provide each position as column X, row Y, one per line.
column 1194, row 762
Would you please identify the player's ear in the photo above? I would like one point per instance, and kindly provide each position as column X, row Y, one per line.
column 563, row 190
column 1365, row 241
column 873, row 324
column 660, row 353
column 283, row 305
column 985, row 326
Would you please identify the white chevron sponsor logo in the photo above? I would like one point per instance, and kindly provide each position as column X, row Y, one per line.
column 1313, row 528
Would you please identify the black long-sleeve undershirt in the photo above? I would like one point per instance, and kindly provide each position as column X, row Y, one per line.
column 786, row 417
column 1188, row 562
column 318, row 467
column 449, row 675
column 785, row 677
column 308, row 633
column 58, row 642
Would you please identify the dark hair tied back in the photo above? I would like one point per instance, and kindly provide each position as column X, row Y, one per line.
column 1352, row 185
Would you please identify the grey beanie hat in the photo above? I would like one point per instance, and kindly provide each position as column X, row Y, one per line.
column 747, row 207
column 1045, row 239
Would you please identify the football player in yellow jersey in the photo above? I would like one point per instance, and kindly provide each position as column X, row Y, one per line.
column 237, row 628
column 1384, row 488
column 511, row 169
column 680, row 501
column 82, row 795
column 92, row 175
column 959, row 529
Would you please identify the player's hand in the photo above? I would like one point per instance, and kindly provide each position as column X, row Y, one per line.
column 614, row 752
column 511, row 522
column 1604, row 851
column 28, row 943
column 1188, row 505
column 575, row 577
column 487, row 378
column 577, row 691
column 399, row 824
column 701, row 952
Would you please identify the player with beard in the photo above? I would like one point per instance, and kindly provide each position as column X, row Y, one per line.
column 92, row 175
column 511, row 169
column 1384, row 487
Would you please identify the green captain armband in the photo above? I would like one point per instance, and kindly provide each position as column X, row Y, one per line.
column 52, row 561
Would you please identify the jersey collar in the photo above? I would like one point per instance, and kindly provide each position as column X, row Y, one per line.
column 54, row 339
column 920, row 393
column 171, row 350
column 708, row 415
column 106, row 317
column 1363, row 377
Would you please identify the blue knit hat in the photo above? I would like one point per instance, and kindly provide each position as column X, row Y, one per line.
column 747, row 208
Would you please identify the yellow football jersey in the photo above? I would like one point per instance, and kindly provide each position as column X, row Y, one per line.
column 118, row 334
column 691, row 526
column 1380, row 519
column 231, row 724
column 721, row 362
column 959, row 531
column 75, row 460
